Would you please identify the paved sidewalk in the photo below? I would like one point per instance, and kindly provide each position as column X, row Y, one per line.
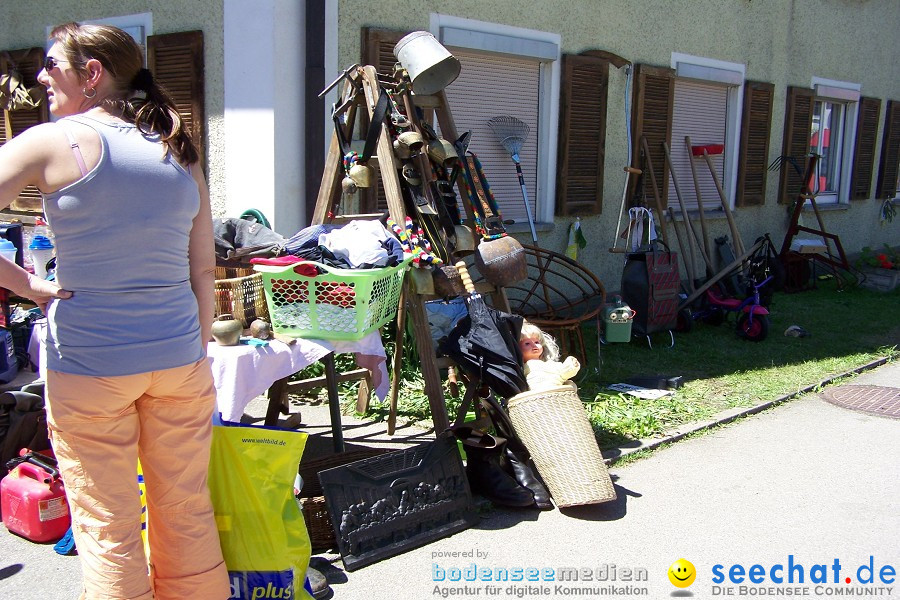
column 805, row 479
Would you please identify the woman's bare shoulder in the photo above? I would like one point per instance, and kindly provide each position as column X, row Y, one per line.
column 38, row 137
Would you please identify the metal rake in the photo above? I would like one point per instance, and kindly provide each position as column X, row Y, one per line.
column 512, row 133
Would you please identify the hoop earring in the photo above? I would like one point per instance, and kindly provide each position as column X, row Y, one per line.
column 85, row 92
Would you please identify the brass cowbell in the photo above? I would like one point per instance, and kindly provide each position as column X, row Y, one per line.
column 362, row 175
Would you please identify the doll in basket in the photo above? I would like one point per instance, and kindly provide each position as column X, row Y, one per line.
column 540, row 353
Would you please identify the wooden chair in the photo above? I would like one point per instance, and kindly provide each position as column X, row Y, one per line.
column 558, row 296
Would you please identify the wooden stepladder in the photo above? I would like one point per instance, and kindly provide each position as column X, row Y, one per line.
column 834, row 260
column 361, row 92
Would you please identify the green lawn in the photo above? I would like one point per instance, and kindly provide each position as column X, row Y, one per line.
column 849, row 328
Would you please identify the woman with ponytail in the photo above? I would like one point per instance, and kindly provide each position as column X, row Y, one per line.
column 129, row 316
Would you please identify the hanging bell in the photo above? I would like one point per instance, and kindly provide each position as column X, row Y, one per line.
column 348, row 186
column 401, row 151
column 412, row 140
column 442, row 152
column 464, row 240
column 362, row 175
column 411, row 175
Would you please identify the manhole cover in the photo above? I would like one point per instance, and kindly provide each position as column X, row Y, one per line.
column 872, row 399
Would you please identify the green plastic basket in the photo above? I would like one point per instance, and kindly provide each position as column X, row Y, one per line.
column 340, row 304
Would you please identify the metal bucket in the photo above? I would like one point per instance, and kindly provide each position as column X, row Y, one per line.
column 502, row 261
column 431, row 67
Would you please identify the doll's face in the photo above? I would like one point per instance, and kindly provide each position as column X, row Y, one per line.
column 532, row 349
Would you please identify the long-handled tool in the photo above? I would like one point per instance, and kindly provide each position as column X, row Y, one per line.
column 703, row 230
column 660, row 209
column 662, row 213
column 628, row 172
column 512, row 133
column 685, row 215
column 704, row 151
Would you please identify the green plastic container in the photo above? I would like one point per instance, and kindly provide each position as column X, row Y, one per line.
column 617, row 320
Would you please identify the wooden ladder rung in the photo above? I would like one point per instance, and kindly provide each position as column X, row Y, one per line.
column 317, row 382
column 359, row 217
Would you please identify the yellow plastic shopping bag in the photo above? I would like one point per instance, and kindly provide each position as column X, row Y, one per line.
column 142, row 488
column 261, row 529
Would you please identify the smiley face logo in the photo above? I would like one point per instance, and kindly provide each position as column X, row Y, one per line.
column 682, row 573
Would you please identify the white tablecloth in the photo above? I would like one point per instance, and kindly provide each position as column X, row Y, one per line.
column 243, row 372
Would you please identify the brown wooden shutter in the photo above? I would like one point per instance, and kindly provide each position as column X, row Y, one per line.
column 582, row 135
column 29, row 63
column 753, row 161
column 797, row 129
column 654, row 90
column 890, row 152
column 864, row 150
column 176, row 61
column 377, row 49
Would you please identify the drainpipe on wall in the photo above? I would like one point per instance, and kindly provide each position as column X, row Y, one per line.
column 314, row 159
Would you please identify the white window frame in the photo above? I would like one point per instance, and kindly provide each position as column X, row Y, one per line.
column 144, row 20
column 125, row 22
column 847, row 93
column 544, row 46
column 733, row 75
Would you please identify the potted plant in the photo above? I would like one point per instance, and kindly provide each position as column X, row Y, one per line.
column 881, row 268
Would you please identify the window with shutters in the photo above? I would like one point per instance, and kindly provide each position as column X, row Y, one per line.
column 826, row 140
column 706, row 109
column 699, row 112
column 28, row 62
column 473, row 100
column 176, row 61
column 507, row 71
column 138, row 26
column 582, row 132
column 889, row 166
column 823, row 120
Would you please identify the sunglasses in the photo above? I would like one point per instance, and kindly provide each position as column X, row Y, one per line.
column 51, row 62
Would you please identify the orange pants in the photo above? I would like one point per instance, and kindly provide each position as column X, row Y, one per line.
column 100, row 426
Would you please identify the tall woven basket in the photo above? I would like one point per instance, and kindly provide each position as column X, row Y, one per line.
column 553, row 425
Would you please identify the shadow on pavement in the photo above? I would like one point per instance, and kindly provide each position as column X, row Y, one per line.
column 608, row 511
column 7, row 572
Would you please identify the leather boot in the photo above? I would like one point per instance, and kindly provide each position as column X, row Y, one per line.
column 485, row 469
column 525, row 476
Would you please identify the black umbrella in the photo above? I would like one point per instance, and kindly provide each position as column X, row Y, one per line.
column 485, row 344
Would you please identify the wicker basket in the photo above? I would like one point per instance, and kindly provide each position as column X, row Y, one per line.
column 312, row 499
column 242, row 296
column 554, row 427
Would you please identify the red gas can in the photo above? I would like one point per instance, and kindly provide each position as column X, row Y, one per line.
column 33, row 503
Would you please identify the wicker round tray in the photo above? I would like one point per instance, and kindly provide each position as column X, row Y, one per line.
column 555, row 428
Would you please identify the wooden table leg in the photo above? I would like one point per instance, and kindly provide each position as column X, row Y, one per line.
column 276, row 401
column 334, row 402
column 398, row 360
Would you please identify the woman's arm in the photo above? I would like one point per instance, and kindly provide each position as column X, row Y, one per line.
column 26, row 160
column 201, row 254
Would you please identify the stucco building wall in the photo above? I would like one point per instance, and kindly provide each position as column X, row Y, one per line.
column 784, row 42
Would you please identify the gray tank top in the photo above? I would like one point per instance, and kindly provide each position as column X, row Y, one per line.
column 122, row 236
